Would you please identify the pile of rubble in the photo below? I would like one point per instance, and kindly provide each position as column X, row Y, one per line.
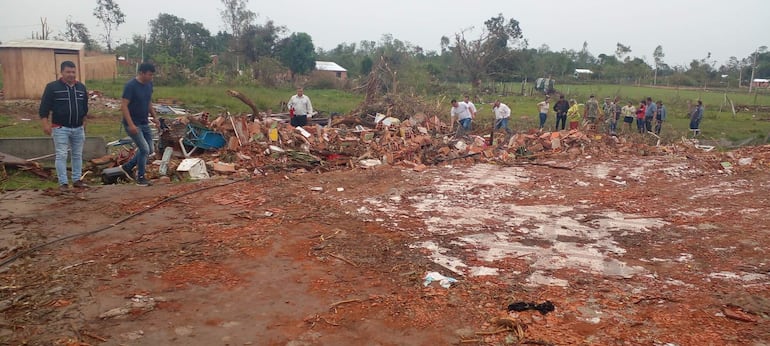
column 246, row 146
column 260, row 142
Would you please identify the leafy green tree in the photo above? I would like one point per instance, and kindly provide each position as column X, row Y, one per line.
column 111, row 17
column 481, row 57
column 179, row 42
column 237, row 17
column 297, row 53
column 77, row 32
column 658, row 56
column 346, row 55
column 622, row 52
column 260, row 40
column 366, row 65
column 166, row 35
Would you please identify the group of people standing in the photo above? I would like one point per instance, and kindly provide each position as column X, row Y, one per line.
column 644, row 115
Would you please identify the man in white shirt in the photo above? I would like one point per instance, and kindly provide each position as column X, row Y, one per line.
column 300, row 108
column 461, row 111
column 471, row 106
column 502, row 114
column 543, row 108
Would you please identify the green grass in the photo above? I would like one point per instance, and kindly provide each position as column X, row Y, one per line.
column 104, row 125
column 746, row 127
column 17, row 180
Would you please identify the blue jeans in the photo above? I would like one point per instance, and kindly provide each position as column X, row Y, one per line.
column 65, row 138
column 466, row 123
column 695, row 123
column 542, row 119
column 502, row 124
column 143, row 141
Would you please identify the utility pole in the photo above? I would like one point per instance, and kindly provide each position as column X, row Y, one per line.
column 753, row 67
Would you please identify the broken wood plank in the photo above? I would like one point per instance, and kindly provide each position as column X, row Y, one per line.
column 247, row 101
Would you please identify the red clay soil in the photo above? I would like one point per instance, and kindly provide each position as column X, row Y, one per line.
column 631, row 250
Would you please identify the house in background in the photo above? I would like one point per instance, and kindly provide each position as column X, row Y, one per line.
column 98, row 66
column 581, row 73
column 760, row 83
column 331, row 69
column 29, row 65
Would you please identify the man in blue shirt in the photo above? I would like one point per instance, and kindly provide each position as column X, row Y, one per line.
column 136, row 105
column 649, row 114
column 660, row 117
column 695, row 117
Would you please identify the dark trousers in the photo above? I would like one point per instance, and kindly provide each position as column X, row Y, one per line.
column 299, row 120
column 561, row 118
column 640, row 125
column 648, row 123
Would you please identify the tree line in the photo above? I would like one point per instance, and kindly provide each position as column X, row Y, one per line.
column 262, row 52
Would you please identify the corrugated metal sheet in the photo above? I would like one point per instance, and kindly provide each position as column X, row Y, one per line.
column 329, row 66
column 43, row 44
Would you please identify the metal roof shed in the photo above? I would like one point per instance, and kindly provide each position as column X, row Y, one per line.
column 29, row 65
column 329, row 66
column 331, row 69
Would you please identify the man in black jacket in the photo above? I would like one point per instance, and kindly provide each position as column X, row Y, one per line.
column 66, row 101
column 561, row 108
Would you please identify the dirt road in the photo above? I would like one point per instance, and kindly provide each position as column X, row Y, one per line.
column 663, row 250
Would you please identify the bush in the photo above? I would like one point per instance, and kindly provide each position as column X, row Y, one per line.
column 321, row 80
column 681, row 79
column 270, row 72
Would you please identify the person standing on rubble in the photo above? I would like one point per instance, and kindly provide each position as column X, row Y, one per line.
column 660, row 117
column 136, row 106
column 649, row 113
column 611, row 111
column 574, row 114
column 628, row 114
column 502, row 114
column 640, row 114
column 543, row 108
column 461, row 111
column 592, row 110
column 300, row 108
column 561, row 107
column 471, row 107
column 66, row 101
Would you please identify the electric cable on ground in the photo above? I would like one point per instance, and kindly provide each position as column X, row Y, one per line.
column 124, row 219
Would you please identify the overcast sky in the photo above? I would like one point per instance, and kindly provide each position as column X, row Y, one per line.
column 686, row 29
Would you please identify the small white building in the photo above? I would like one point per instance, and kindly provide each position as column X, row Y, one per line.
column 582, row 73
column 331, row 68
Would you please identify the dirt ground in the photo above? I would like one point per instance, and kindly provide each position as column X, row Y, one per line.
column 630, row 250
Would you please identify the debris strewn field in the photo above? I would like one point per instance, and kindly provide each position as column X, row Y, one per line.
column 335, row 238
